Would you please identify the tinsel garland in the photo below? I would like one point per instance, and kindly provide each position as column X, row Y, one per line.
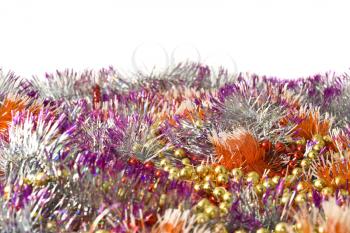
column 180, row 151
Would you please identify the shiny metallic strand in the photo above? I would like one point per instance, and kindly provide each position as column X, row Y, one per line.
column 190, row 75
column 255, row 114
column 29, row 149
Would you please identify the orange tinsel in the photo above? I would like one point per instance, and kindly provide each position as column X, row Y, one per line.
column 310, row 125
column 239, row 149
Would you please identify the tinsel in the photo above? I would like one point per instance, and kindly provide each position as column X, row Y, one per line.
column 179, row 151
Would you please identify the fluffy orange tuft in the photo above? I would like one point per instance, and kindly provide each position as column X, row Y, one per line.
column 239, row 149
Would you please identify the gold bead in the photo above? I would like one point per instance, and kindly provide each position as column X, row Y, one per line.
column 220, row 228
column 212, row 211
column 297, row 227
column 302, row 186
column 167, row 168
column 276, row 179
column 297, row 171
column 224, row 208
column 222, row 178
column 186, row 172
column 317, row 147
column 262, row 230
column 164, row 162
column 219, row 192
column 339, row 181
column 259, row 189
column 202, row 170
column 312, row 154
column 197, row 187
column 102, row 231
column 220, row 170
column 281, row 227
column 319, row 184
column 174, row 173
column 327, row 191
column 207, row 187
column 305, row 163
column 227, row 197
column 301, row 141
column 327, row 138
column 198, row 123
column 202, row 218
column 236, row 173
column 179, row 152
column 240, row 231
column 344, row 192
column 253, row 177
column 186, row 161
column 300, row 198
column 268, row 183
column 51, row 226
column 285, row 198
column 209, row 178
column 162, row 199
column 41, row 179
column 202, row 204
column 321, row 229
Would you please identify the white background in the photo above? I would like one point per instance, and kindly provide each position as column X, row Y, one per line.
column 281, row 38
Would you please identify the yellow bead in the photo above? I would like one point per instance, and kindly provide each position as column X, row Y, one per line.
column 240, row 231
column 164, row 162
column 237, row 174
column 207, row 187
column 262, row 230
column 162, row 199
column 281, row 228
column 212, row 211
column 220, row 228
column 224, row 208
column 220, row 170
column 300, row 198
column 253, row 177
column 276, row 179
column 285, row 198
column 302, row 186
column 167, row 168
column 227, row 197
column 179, row 152
column 297, row 171
column 202, row 218
column 102, row 231
column 202, row 170
column 339, row 181
column 218, row 192
column 268, row 184
column 198, row 123
column 327, row 138
column 301, row 141
column 202, row 204
column 305, row 163
column 174, row 173
column 319, row 184
column 186, row 161
column 41, row 179
column 327, row 191
column 321, row 229
column 197, row 187
column 51, row 225
column 222, row 179
column 259, row 189
column 312, row 154
column 186, row 172
column 344, row 192
column 209, row 178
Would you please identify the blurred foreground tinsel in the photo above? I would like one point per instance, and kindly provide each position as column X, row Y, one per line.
column 182, row 151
